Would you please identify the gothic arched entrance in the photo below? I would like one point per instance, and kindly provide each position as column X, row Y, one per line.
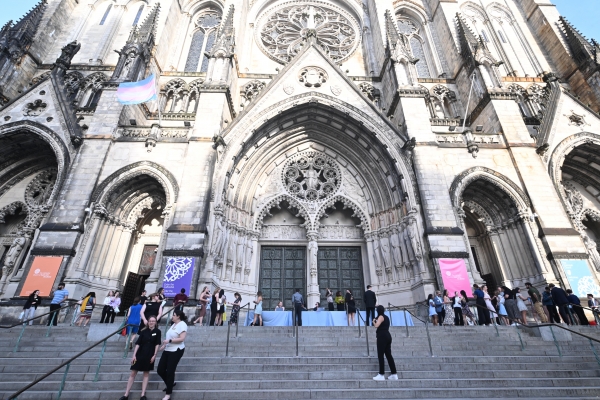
column 312, row 198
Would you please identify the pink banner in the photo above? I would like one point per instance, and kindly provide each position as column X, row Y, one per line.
column 454, row 276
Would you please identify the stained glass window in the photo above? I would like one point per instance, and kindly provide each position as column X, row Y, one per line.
column 103, row 20
column 209, row 44
column 139, row 15
column 485, row 37
column 195, row 51
column 501, row 36
column 419, row 52
column 202, row 42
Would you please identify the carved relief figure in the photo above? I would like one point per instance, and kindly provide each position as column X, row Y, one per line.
column 12, row 256
column 220, row 240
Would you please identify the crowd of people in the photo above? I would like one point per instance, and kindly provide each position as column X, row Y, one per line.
column 508, row 306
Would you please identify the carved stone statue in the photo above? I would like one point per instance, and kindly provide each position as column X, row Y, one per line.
column 67, row 54
column 313, row 253
column 240, row 251
column 220, row 240
column 12, row 256
column 592, row 248
column 396, row 250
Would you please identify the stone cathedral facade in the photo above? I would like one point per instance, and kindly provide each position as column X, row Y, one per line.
column 299, row 144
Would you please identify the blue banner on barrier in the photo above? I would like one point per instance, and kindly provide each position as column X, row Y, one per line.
column 581, row 279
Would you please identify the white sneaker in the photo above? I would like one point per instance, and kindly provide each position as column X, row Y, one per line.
column 379, row 377
column 393, row 377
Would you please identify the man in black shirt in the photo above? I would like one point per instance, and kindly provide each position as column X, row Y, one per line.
column 576, row 307
column 143, row 297
column 559, row 296
column 370, row 303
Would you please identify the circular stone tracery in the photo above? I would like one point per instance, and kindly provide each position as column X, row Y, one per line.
column 282, row 31
column 311, row 176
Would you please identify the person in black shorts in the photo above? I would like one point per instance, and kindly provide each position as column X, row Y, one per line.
column 144, row 356
column 384, row 345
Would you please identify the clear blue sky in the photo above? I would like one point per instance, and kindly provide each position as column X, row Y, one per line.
column 584, row 14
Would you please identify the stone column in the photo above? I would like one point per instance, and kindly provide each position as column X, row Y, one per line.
column 500, row 256
column 155, row 275
column 252, row 260
column 312, row 294
column 118, row 273
column 88, row 244
column 93, row 269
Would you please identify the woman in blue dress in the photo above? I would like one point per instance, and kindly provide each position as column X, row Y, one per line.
column 258, row 310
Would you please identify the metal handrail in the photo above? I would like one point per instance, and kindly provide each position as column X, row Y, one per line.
column 67, row 363
column 493, row 319
column 595, row 313
column 25, row 323
column 71, row 301
column 426, row 322
column 236, row 329
column 366, row 332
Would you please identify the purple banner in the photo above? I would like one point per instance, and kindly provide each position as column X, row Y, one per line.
column 178, row 275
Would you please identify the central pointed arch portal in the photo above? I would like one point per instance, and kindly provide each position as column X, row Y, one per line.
column 312, row 199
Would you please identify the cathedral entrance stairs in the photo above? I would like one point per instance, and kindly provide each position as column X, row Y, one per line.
column 468, row 362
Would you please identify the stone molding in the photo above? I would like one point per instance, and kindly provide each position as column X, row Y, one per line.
column 139, row 168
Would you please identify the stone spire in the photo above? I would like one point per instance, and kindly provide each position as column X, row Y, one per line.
column 225, row 40
column 470, row 44
column 146, row 33
column 135, row 55
column 220, row 56
column 15, row 40
column 398, row 44
column 585, row 53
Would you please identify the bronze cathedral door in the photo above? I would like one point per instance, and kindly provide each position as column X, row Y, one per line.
column 340, row 268
column 282, row 271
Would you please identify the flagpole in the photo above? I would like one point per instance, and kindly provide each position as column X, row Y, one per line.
column 468, row 101
column 158, row 99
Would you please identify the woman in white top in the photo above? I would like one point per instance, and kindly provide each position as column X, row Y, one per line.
column 521, row 305
column 173, row 351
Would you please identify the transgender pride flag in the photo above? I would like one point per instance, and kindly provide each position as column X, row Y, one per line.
column 137, row 92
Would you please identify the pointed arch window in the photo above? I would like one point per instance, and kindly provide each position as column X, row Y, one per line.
column 203, row 40
column 415, row 34
column 138, row 15
column 105, row 16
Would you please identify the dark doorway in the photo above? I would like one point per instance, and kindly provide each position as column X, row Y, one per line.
column 340, row 268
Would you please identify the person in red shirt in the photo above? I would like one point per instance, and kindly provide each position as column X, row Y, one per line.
column 180, row 300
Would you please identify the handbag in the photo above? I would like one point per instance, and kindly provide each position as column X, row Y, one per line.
column 124, row 332
column 116, row 310
column 21, row 315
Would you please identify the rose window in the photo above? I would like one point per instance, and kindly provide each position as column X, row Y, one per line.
column 312, row 177
column 283, row 31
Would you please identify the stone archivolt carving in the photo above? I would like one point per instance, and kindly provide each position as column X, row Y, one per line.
column 313, row 77
column 283, row 30
column 283, row 232
column 251, row 90
column 40, row 188
column 311, row 176
column 332, row 232
column 11, row 209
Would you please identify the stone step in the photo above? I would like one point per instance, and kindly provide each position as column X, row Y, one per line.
column 186, row 374
column 341, row 384
column 509, row 392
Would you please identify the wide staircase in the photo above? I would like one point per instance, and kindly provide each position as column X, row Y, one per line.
column 332, row 363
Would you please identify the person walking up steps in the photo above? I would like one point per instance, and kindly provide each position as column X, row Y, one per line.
column 144, row 355
column 174, row 348
column 370, row 302
column 298, row 303
column 384, row 345
column 60, row 295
